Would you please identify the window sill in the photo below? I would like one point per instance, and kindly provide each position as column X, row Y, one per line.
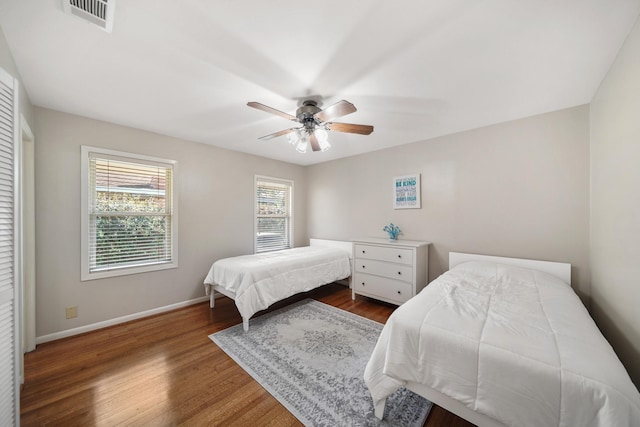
column 126, row 271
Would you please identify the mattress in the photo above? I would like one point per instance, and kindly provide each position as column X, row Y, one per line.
column 260, row 280
column 513, row 344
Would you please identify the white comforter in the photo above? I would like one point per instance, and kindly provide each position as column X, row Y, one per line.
column 260, row 280
column 511, row 343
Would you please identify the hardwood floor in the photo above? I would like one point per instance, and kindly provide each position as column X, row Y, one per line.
column 164, row 370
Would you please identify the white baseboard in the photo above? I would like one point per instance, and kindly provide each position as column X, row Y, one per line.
column 116, row 321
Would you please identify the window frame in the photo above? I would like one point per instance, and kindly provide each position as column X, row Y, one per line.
column 290, row 184
column 86, row 198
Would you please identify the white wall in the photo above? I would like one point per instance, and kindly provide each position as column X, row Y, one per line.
column 7, row 62
column 216, row 188
column 516, row 189
column 615, row 205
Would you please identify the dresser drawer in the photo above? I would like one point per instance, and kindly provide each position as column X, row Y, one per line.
column 375, row 286
column 385, row 269
column 390, row 254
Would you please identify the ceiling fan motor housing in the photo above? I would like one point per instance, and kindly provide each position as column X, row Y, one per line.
column 306, row 112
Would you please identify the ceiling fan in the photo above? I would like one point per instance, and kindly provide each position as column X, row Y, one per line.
column 315, row 124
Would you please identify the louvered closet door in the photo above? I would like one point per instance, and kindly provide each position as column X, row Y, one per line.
column 9, row 402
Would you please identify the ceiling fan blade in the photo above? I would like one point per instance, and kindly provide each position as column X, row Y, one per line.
column 351, row 128
column 339, row 109
column 268, row 109
column 277, row 134
column 314, row 142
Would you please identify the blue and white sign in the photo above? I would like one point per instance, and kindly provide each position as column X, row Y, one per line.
column 406, row 192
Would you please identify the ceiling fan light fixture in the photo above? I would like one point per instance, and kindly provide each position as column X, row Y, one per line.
column 323, row 138
column 294, row 137
column 302, row 145
column 321, row 134
column 324, row 145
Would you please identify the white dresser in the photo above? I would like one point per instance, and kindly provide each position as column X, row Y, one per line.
column 389, row 271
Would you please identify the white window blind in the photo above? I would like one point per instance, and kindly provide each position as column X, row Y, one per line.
column 9, row 403
column 130, row 213
column 273, row 214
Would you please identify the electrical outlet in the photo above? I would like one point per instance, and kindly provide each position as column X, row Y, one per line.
column 71, row 312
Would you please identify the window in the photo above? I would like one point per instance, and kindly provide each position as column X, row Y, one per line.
column 129, row 216
column 273, row 209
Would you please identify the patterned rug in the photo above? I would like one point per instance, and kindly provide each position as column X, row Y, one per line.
column 311, row 357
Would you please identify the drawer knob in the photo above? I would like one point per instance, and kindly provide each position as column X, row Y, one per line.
column 362, row 283
column 364, row 252
column 399, row 256
column 364, row 266
column 399, row 293
column 399, row 273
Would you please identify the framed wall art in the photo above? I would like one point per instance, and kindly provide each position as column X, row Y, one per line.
column 406, row 192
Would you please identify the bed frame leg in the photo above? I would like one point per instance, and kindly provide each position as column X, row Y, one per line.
column 212, row 299
column 378, row 409
column 245, row 325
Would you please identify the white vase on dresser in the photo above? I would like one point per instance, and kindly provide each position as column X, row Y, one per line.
column 390, row 271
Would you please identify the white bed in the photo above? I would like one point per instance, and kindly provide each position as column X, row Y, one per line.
column 503, row 341
column 259, row 280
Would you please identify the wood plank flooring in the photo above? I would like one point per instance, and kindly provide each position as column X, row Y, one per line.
column 164, row 371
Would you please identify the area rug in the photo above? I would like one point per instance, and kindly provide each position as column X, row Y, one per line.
column 311, row 357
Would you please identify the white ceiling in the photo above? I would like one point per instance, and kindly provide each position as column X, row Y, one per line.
column 414, row 69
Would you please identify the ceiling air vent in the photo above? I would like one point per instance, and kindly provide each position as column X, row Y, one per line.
column 98, row 12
